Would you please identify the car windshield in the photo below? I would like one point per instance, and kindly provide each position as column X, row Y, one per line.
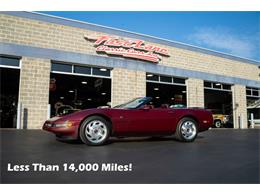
column 135, row 103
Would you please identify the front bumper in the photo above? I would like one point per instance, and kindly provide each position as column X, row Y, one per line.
column 59, row 130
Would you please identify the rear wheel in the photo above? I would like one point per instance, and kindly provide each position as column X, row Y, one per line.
column 95, row 131
column 187, row 130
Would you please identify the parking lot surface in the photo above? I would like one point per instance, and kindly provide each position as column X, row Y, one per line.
column 216, row 156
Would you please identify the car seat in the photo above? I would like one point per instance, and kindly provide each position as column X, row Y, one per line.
column 164, row 106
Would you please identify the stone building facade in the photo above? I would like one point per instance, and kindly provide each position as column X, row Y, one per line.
column 39, row 39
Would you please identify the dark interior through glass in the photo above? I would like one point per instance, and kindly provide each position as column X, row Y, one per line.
column 9, row 97
column 219, row 103
column 253, row 106
column 166, row 95
column 71, row 93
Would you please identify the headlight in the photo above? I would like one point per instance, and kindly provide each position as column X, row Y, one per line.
column 65, row 124
column 226, row 118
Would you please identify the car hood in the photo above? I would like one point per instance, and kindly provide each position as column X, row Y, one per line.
column 80, row 114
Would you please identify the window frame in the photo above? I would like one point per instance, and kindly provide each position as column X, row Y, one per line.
column 81, row 74
column 8, row 66
column 251, row 89
column 162, row 82
column 217, row 89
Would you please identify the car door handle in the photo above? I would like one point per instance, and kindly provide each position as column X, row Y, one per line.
column 171, row 112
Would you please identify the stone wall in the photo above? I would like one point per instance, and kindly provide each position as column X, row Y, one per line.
column 239, row 106
column 36, row 33
column 195, row 92
column 127, row 84
column 34, row 91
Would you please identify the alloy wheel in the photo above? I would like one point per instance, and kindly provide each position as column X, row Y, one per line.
column 188, row 130
column 96, row 131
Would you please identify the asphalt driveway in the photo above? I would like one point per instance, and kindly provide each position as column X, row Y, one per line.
column 216, row 156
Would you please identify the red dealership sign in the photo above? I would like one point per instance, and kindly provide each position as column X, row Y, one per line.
column 136, row 49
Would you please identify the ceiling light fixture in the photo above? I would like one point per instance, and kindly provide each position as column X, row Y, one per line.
column 149, row 75
column 103, row 93
column 155, row 89
column 84, row 82
column 71, row 91
column 103, row 69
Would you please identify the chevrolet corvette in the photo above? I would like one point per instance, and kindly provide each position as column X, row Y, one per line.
column 135, row 118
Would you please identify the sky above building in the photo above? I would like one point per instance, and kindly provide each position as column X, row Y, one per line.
column 235, row 33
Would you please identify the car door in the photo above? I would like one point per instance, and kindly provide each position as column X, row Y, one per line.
column 146, row 121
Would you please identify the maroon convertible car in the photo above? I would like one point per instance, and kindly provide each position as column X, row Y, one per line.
column 135, row 118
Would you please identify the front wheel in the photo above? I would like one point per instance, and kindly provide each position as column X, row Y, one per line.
column 95, row 131
column 217, row 123
column 187, row 130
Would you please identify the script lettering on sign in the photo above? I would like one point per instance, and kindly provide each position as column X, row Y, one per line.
column 127, row 48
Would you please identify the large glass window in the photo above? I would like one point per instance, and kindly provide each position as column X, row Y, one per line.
column 152, row 77
column 255, row 93
column 226, row 87
column 71, row 93
column 218, row 99
column 253, row 106
column 166, row 95
column 80, row 69
column 165, row 79
column 208, row 84
column 9, row 89
column 252, row 92
column 166, row 91
column 85, row 87
column 101, row 72
column 178, row 80
column 217, row 85
column 61, row 67
column 9, row 61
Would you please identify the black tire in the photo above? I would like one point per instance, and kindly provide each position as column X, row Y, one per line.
column 180, row 136
column 85, row 133
column 217, row 123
